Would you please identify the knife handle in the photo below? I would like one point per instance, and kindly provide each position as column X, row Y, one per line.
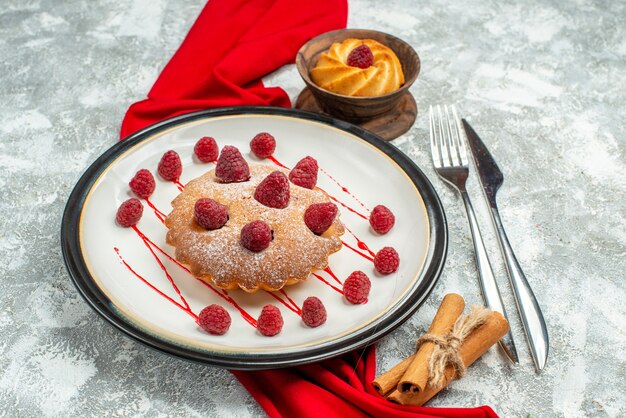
column 530, row 313
column 488, row 284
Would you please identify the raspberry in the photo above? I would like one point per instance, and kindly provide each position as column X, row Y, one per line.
column 231, row 167
column 313, row 312
column 263, row 145
column 382, row 219
column 270, row 321
column 206, row 149
column 256, row 236
column 320, row 216
column 142, row 184
column 361, row 57
column 356, row 288
column 129, row 212
column 304, row 174
column 170, row 167
column 273, row 191
column 386, row 261
column 210, row 214
column 214, row 319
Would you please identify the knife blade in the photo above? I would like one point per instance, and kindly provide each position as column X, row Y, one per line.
column 491, row 178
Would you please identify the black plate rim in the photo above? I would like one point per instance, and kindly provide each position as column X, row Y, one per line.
column 88, row 289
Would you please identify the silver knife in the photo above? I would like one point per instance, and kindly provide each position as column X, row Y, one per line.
column 491, row 178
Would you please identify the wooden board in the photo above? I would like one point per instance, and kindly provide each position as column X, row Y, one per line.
column 388, row 126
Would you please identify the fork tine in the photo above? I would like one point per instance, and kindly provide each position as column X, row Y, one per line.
column 452, row 139
column 434, row 148
column 460, row 136
column 443, row 140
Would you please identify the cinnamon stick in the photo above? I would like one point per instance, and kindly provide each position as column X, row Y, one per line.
column 387, row 382
column 473, row 347
column 414, row 370
column 415, row 379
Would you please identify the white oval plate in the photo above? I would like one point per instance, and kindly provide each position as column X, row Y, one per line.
column 123, row 276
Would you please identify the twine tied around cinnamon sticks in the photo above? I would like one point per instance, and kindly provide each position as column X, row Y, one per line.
column 453, row 342
column 446, row 351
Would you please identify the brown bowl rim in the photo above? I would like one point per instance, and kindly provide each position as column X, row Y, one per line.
column 302, row 67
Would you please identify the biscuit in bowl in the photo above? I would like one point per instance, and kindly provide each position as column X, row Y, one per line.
column 335, row 72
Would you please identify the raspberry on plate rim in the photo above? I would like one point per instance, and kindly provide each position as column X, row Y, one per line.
column 313, row 312
column 129, row 212
column 142, row 183
column 170, row 167
column 356, row 288
column 263, row 145
column 214, row 319
column 386, row 261
column 382, row 219
column 270, row 321
column 206, row 149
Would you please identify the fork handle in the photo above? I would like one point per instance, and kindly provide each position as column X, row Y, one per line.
column 530, row 313
column 488, row 285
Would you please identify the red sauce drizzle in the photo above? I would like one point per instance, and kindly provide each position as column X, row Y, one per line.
column 278, row 163
column 347, row 207
column 167, row 273
column 289, row 303
column 284, row 292
column 360, row 243
column 344, row 189
column 367, row 257
column 223, row 294
column 178, row 184
column 160, row 215
column 330, row 272
column 323, row 280
column 184, row 307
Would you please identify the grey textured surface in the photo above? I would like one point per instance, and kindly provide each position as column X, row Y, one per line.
column 544, row 84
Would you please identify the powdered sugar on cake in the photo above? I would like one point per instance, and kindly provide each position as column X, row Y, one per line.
column 218, row 256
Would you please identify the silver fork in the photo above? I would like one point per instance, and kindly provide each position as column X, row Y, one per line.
column 451, row 164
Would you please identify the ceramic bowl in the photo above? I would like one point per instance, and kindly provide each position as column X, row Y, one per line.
column 357, row 109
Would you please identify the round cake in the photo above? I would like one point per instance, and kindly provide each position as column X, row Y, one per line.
column 218, row 255
column 377, row 74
